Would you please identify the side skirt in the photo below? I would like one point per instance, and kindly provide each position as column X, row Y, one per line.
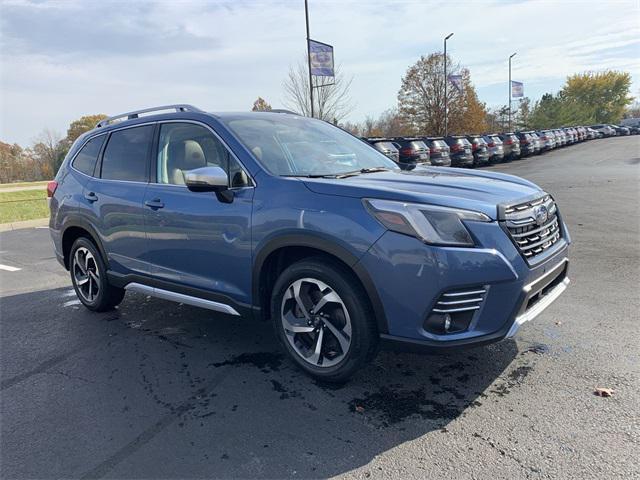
column 182, row 298
column 182, row 294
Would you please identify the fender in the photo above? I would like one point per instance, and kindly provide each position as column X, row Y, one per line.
column 328, row 245
column 85, row 225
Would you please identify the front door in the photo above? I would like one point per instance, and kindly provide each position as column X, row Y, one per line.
column 194, row 239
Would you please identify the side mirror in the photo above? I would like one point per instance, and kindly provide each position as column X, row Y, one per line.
column 209, row 179
column 206, row 179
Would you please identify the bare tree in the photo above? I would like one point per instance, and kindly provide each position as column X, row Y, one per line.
column 49, row 148
column 331, row 102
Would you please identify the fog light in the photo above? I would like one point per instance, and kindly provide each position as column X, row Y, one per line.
column 447, row 322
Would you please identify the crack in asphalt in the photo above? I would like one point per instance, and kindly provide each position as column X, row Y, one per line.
column 147, row 435
column 42, row 368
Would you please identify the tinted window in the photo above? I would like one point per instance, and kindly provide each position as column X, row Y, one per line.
column 86, row 159
column 186, row 146
column 126, row 154
column 418, row 145
column 385, row 146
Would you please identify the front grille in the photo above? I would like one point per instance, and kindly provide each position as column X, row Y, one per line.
column 531, row 232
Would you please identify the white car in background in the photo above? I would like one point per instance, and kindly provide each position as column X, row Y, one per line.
column 607, row 130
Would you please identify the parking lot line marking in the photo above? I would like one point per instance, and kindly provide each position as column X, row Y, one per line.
column 8, row 268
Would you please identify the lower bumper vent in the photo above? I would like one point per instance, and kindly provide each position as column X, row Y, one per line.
column 454, row 311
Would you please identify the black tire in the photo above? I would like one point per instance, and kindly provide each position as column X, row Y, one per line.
column 98, row 299
column 364, row 335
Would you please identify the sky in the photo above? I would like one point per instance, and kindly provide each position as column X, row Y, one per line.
column 60, row 60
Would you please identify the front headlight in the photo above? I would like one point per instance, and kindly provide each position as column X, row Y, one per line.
column 430, row 223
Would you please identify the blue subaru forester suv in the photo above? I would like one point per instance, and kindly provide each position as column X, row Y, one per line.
column 291, row 219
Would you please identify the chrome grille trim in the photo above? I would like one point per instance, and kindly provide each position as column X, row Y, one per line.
column 459, row 294
column 460, row 301
column 529, row 237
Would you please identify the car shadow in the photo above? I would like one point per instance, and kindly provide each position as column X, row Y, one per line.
column 157, row 389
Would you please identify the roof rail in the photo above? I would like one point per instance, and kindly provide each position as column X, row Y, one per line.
column 180, row 107
column 280, row 110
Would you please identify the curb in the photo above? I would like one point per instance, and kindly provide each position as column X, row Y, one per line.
column 38, row 222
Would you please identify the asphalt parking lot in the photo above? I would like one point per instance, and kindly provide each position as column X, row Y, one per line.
column 160, row 390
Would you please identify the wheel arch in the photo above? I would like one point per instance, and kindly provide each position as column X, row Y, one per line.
column 78, row 228
column 280, row 252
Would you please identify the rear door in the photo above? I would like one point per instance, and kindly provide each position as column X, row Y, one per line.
column 115, row 197
column 195, row 239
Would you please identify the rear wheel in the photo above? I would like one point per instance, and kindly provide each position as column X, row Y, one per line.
column 323, row 320
column 89, row 277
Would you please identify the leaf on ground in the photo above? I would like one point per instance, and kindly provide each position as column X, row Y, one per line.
column 359, row 408
column 603, row 392
column 558, row 323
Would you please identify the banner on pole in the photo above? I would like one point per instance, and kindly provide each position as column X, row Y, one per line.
column 517, row 89
column 456, row 81
column 321, row 59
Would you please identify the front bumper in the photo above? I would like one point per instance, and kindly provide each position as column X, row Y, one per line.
column 412, row 277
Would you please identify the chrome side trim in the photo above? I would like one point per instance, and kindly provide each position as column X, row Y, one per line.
column 182, row 298
column 538, row 308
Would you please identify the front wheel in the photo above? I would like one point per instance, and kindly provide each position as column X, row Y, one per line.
column 323, row 320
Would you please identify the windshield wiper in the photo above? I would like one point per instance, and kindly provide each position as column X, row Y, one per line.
column 324, row 175
column 363, row 170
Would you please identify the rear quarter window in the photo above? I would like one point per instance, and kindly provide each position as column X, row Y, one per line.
column 126, row 156
column 87, row 157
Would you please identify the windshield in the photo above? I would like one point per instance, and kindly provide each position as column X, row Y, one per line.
column 289, row 145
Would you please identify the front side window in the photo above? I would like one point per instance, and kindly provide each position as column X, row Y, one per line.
column 87, row 157
column 127, row 153
column 291, row 145
column 187, row 146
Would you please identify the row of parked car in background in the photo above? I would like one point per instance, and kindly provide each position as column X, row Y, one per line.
column 485, row 149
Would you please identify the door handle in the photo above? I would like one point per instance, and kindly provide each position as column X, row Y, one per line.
column 91, row 197
column 154, row 204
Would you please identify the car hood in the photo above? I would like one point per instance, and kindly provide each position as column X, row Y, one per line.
column 452, row 187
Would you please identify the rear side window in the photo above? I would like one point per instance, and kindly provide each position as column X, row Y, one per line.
column 87, row 157
column 385, row 146
column 126, row 155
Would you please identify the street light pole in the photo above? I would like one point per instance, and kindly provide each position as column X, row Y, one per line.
column 513, row 55
column 306, row 13
column 446, row 113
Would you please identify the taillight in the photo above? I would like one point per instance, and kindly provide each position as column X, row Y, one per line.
column 508, row 141
column 407, row 151
column 491, row 145
column 434, row 150
column 455, row 147
column 51, row 188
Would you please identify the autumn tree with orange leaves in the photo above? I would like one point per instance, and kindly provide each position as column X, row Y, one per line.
column 421, row 99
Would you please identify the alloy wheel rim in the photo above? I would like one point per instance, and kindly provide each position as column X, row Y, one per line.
column 316, row 322
column 86, row 274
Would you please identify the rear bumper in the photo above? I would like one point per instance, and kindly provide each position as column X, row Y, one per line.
column 462, row 160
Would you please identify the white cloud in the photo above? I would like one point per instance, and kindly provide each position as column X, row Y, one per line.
column 61, row 60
